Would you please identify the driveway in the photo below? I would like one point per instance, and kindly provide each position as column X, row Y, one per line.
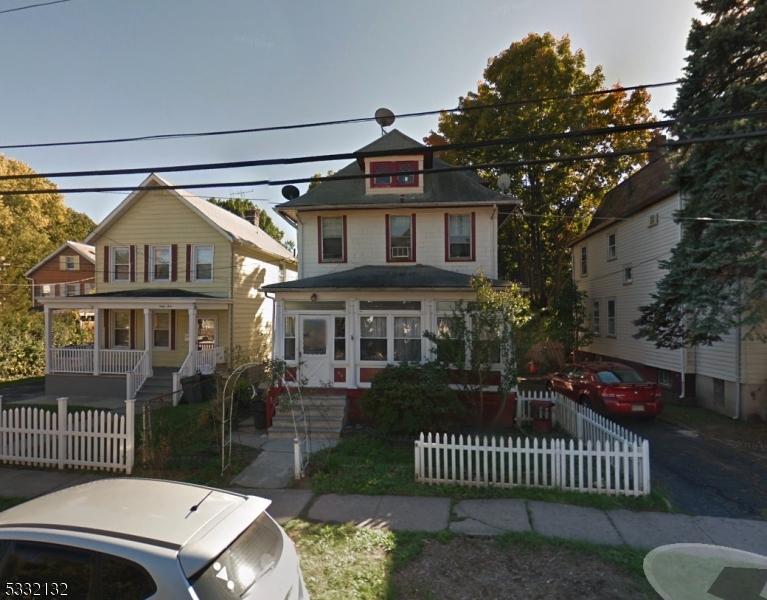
column 703, row 476
column 13, row 392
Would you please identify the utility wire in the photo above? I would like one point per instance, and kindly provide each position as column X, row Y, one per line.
column 18, row 8
column 424, row 113
column 432, row 171
column 512, row 140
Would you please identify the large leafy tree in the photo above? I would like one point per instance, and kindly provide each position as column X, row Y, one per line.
column 717, row 274
column 557, row 199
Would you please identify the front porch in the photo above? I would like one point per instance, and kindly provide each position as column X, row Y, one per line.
column 134, row 337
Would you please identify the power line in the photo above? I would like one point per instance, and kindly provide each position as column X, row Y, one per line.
column 512, row 140
column 10, row 10
column 432, row 171
column 424, row 113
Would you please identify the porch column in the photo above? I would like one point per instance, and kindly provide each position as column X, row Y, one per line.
column 48, row 339
column 148, row 336
column 97, row 341
column 192, row 329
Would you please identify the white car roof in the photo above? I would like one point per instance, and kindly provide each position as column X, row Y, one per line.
column 161, row 513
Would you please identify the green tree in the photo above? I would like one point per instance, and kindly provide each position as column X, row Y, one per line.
column 717, row 274
column 557, row 199
column 242, row 207
column 316, row 179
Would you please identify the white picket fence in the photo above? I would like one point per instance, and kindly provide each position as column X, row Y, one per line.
column 606, row 458
column 83, row 439
column 610, row 468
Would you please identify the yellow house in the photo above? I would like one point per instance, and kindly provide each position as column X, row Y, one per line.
column 177, row 292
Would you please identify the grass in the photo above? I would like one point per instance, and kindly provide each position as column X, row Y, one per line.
column 366, row 464
column 186, row 446
column 10, row 501
column 341, row 562
column 12, row 382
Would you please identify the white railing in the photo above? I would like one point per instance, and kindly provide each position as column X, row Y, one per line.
column 71, row 360
column 187, row 368
column 136, row 378
column 611, row 468
column 89, row 439
column 206, row 359
column 118, row 361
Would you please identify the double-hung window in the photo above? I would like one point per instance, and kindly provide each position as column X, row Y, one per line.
column 611, row 318
column 460, row 237
column 584, row 261
column 332, row 233
column 160, row 258
column 373, row 338
column 612, row 252
column 72, row 289
column 121, row 328
column 121, row 263
column 595, row 317
column 487, row 345
column 203, row 263
column 407, row 339
column 401, row 238
column 69, row 263
column 161, row 329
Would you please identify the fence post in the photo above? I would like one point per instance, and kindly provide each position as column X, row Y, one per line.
column 297, row 459
column 130, row 433
column 62, row 433
column 646, row 467
column 579, row 425
column 416, row 460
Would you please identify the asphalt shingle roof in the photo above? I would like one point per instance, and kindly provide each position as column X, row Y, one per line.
column 152, row 293
column 381, row 277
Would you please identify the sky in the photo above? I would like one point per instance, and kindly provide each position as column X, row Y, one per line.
column 88, row 69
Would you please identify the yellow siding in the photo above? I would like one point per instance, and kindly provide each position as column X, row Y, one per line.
column 160, row 218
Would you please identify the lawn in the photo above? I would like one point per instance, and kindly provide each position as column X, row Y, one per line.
column 740, row 434
column 185, row 445
column 10, row 501
column 343, row 562
column 23, row 380
column 366, row 464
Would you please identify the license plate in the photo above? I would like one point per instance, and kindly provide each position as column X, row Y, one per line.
column 637, row 408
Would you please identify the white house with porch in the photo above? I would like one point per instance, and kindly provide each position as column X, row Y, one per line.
column 177, row 292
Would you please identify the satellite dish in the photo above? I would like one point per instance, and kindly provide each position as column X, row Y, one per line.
column 384, row 117
column 290, row 192
column 504, row 182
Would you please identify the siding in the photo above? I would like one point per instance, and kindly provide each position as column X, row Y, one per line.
column 50, row 272
column 641, row 247
column 366, row 243
column 159, row 218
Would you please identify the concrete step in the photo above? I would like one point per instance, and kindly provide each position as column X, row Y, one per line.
column 310, row 405
column 289, row 433
column 312, row 423
column 333, row 413
column 319, row 400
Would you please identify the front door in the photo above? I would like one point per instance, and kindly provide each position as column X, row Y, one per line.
column 313, row 355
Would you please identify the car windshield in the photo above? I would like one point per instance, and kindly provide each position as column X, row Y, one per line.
column 242, row 564
column 619, row 375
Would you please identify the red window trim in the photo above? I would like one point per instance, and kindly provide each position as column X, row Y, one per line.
column 320, row 258
column 412, row 257
column 410, row 165
column 473, row 238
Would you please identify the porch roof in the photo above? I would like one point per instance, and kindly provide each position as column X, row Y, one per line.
column 140, row 298
column 383, row 277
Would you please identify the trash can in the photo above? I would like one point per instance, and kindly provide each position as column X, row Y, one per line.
column 208, row 387
column 259, row 412
column 542, row 416
column 192, row 394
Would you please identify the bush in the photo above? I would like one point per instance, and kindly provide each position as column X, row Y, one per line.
column 408, row 399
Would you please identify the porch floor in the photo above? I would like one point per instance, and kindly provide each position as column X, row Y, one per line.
column 115, row 404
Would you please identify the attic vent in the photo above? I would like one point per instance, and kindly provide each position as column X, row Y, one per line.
column 653, row 220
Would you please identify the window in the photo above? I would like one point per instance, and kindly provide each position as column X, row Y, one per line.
column 401, row 230
column 121, row 328
column 487, row 346
column 373, row 339
column 339, row 339
column 206, row 333
column 385, row 173
column 595, row 317
column 69, row 263
column 611, row 318
column 289, row 347
column 390, row 305
column 121, row 263
column 89, row 288
column 450, row 349
column 611, row 251
column 315, row 334
column 203, row 263
column 665, row 378
column 46, row 290
column 123, row 579
column 407, row 339
column 627, row 275
column 72, row 289
column 160, row 257
column 584, row 261
column 332, row 242
column 460, row 233
column 654, row 219
column 161, row 329
column 283, row 276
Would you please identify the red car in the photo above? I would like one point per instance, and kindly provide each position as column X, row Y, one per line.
column 609, row 388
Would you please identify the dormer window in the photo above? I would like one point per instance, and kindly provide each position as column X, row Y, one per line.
column 386, row 173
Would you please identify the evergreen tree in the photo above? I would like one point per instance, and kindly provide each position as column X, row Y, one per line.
column 717, row 274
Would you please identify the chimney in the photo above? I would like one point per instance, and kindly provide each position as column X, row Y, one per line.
column 657, row 147
column 252, row 215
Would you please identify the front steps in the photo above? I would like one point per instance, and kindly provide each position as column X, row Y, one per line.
column 324, row 415
column 159, row 387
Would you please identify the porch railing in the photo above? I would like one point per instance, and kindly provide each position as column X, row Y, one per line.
column 187, row 368
column 119, row 361
column 136, row 378
column 207, row 358
column 197, row 361
column 80, row 360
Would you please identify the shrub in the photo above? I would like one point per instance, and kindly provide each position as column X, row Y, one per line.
column 408, row 399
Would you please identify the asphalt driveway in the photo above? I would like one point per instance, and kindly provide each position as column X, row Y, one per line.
column 703, row 476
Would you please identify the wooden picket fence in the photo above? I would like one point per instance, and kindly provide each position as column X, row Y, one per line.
column 82, row 439
column 620, row 468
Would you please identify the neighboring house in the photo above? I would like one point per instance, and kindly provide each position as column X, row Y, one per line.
column 177, row 282
column 616, row 263
column 382, row 260
column 67, row 271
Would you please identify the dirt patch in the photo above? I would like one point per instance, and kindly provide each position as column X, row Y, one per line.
column 470, row 568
